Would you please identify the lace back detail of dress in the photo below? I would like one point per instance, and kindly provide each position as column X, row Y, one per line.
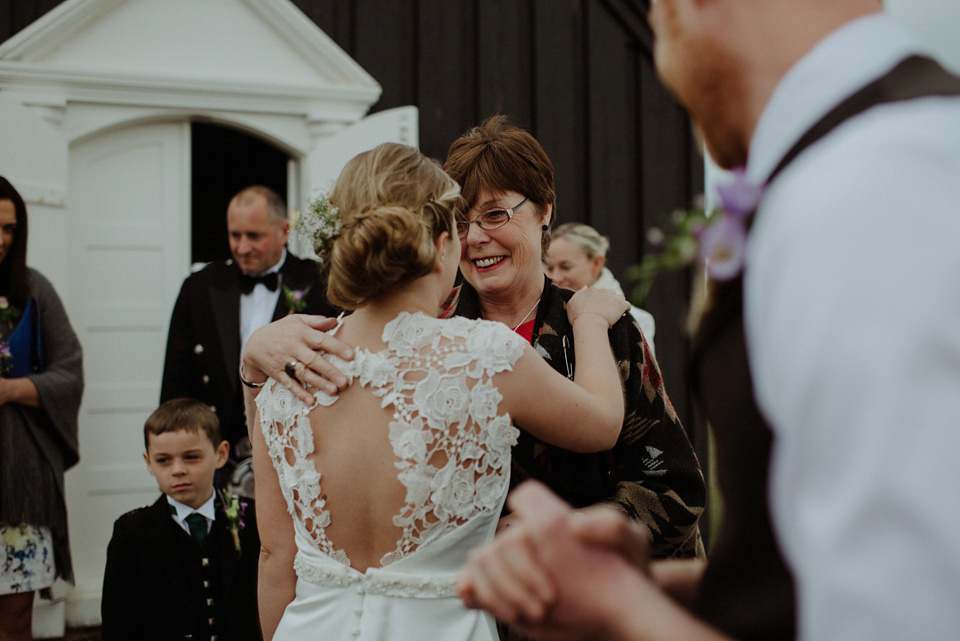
column 452, row 446
column 286, row 430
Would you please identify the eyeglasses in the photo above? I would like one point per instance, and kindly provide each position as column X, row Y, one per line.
column 493, row 219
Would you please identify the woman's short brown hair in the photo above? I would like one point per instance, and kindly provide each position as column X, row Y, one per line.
column 500, row 156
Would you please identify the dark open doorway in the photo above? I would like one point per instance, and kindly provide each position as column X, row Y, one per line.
column 224, row 161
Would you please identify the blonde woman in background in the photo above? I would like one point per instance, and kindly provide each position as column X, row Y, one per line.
column 577, row 257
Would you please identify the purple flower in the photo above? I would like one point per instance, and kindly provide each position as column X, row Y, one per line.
column 6, row 359
column 716, row 239
column 295, row 299
column 739, row 197
column 722, row 247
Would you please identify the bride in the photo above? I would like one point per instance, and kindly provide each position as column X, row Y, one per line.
column 369, row 502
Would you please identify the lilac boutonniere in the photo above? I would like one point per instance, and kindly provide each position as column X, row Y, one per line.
column 295, row 299
column 716, row 239
column 234, row 509
column 6, row 360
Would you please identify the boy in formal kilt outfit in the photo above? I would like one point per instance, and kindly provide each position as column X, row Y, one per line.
column 186, row 566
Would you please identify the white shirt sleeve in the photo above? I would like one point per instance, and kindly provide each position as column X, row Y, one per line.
column 853, row 328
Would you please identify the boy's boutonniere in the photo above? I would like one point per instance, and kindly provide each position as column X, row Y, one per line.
column 9, row 315
column 295, row 299
column 717, row 239
column 233, row 509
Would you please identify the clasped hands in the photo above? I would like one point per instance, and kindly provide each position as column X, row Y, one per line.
column 556, row 573
column 560, row 574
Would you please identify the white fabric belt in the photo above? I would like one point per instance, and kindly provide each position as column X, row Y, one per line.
column 376, row 581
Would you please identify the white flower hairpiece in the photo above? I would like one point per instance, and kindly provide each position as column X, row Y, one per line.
column 320, row 224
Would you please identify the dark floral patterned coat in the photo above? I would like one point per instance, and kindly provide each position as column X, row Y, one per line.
column 652, row 473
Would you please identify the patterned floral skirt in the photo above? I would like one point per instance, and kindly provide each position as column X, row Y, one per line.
column 26, row 558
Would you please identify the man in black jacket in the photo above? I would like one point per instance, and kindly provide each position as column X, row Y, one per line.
column 222, row 304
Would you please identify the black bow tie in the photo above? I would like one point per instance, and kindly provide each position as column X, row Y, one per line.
column 247, row 282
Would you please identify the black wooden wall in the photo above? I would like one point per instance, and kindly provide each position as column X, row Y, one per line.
column 577, row 73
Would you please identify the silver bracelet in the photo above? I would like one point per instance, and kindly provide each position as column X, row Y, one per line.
column 248, row 383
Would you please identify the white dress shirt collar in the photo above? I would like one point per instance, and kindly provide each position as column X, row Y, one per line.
column 183, row 511
column 835, row 68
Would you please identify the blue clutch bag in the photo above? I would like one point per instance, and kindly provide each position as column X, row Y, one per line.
column 24, row 343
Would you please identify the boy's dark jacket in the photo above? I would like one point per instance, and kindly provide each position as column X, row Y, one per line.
column 153, row 585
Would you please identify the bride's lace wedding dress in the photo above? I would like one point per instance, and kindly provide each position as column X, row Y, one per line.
column 452, row 452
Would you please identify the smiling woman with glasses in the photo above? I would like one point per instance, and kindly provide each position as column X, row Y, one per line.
column 507, row 185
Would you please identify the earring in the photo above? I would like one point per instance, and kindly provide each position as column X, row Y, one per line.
column 543, row 228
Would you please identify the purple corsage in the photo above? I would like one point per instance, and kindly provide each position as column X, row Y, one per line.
column 717, row 239
column 295, row 299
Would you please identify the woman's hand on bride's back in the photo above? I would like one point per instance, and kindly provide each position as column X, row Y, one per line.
column 298, row 338
column 604, row 303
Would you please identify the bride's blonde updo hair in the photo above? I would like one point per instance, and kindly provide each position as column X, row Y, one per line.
column 393, row 203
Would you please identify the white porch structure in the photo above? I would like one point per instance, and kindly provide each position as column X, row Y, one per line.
column 96, row 100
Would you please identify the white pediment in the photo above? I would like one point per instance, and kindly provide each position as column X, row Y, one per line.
column 223, row 47
column 97, row 104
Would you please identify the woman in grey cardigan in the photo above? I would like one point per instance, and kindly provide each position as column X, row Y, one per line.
column 41, row 382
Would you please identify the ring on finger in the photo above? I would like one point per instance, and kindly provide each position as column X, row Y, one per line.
column 300, row 369
column 290, row 369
